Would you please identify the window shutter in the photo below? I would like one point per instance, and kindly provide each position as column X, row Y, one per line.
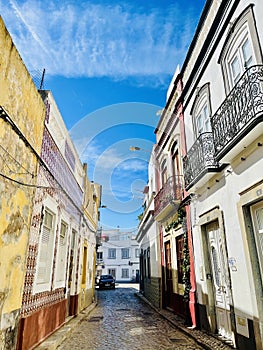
column 62, row 251
column 43, row 256
column 46, row 249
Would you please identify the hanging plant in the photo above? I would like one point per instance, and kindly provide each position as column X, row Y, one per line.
column 178, row 221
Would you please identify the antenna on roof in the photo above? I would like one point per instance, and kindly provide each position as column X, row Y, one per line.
column 42, row 79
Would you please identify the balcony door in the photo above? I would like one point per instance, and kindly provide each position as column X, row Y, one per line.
column 220, row 279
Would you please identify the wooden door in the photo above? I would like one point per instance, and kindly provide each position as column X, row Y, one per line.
column 220, row 279
column 168, row 275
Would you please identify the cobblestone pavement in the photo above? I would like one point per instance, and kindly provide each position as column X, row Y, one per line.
column 122, row 321
column 208, row 341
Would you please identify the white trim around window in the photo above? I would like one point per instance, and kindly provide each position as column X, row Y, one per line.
column 201, row 111
column 46, row 246
column 62, row 250
column 241, row 48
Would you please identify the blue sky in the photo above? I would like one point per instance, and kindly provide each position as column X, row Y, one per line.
column 108, row 65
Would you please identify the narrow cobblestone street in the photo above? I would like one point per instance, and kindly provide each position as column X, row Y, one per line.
column 122, row 321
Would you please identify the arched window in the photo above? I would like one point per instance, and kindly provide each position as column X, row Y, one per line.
column 201, row 111
column 164, row 172
column 241, row 49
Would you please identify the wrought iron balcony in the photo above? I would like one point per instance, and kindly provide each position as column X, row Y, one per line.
column 199, row 159
column 168, row 198
column 241, row 111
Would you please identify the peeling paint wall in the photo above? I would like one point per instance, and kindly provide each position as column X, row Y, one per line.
column 22, row 123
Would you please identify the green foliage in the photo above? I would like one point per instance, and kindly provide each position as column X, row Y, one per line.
column 140, row 217
column 178, row 221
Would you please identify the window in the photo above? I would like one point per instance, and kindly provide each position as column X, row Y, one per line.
column 99, row 257
column 201, row 111
column 124, row 273
column 46, row 250
column 62, row 253
column 180, row 257
column 175, row 161
column 72, row 257
column 112, row 253
column 112, row 272
column 241, row 49
column 241, row 59
column 203, row 119
column 125, row 253
column 137, row 253
column 84, row 266
column 164, row 172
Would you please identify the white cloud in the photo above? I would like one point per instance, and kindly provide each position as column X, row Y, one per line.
column 111, row 159
column 132, row 165
column 95, row 40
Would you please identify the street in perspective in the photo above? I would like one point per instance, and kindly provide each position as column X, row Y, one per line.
column 131, row 182
column 122, row 321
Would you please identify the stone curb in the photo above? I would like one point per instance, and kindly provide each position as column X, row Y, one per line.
column 55, row 339
column 208, row 342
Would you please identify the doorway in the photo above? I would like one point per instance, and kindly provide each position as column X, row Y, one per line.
column 168, row 276
column 257, row 220
column 219, row 275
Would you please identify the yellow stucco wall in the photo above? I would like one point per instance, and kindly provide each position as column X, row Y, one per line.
column 21, row 100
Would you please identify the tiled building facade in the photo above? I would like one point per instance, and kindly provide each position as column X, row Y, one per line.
column 48, row 215
column 62, row 239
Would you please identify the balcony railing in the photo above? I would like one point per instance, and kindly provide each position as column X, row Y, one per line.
column 199, row 159
column 169, row 195
column 239, row 110
column 99, row 261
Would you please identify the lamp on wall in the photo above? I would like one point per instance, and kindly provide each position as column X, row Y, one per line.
column 136, row 148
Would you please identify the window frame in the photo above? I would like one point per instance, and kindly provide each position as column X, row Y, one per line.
column 125, row 256
column 45, row 285
column 244, row 26
column 126, row 272
column 111, row 256
column 202, row 100
column 99, row 259
column 164, row 173
column 63, row 265
column 236, row 52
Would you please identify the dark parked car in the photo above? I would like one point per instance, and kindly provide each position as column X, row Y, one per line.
column 106, row 281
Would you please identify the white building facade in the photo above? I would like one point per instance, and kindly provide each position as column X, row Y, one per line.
column 149, row 243
column 118, row 255
column 223, row 113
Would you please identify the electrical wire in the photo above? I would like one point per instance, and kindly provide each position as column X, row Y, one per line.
column 17, row 162
column 4, row 115
column 27, row 185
